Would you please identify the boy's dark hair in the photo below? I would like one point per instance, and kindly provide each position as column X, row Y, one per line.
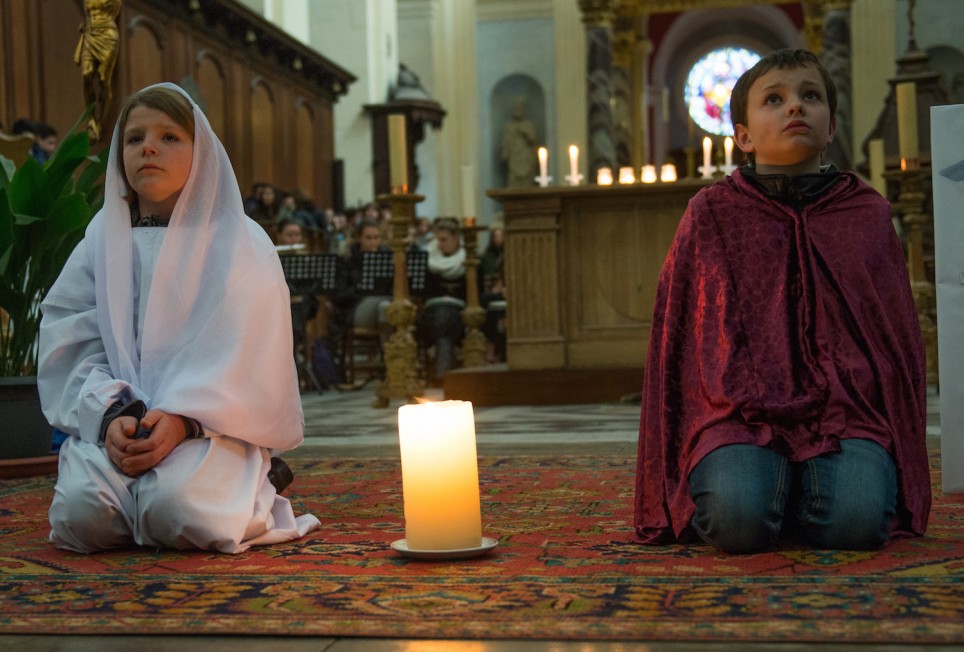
column 781, row 59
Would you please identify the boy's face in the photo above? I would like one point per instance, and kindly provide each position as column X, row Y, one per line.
column 789, row 121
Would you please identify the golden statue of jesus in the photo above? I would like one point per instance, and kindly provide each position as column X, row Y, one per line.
column 97, row 53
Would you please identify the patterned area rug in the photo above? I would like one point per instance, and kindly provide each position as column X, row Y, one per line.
column 566, row 568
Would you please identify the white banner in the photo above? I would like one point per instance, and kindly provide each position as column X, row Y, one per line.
column 947, row 163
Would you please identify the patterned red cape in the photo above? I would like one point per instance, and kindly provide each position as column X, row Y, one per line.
column 785, row 330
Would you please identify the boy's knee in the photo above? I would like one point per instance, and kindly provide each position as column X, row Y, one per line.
column 849, row 525
column 733, row 524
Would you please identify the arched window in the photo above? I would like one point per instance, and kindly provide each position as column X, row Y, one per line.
column 709, row 84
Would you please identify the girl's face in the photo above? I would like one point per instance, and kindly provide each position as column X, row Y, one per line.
column 448, row 242
column 157, row 159
column 290, row 235
column 370, row 239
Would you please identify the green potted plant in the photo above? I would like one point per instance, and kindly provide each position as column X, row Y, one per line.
column 44, row 210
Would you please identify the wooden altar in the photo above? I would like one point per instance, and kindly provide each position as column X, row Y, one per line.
column 581, row 266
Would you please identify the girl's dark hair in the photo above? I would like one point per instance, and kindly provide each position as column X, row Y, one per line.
column 449, row 224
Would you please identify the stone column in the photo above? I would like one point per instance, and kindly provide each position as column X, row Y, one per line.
column 621, row 79
column 836, row 58
column 597, row 16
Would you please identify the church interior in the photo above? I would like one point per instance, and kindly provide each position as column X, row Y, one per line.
column 579, row 128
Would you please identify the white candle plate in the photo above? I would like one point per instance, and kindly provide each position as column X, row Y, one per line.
column 401, row 547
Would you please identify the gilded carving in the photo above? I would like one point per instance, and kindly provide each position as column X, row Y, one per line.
column 598, row 13
column 96, row 54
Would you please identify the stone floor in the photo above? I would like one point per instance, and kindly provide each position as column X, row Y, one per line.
column 345, row 424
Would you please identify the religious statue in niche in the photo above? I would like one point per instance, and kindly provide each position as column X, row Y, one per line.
column 519, row 142
column 96, row 54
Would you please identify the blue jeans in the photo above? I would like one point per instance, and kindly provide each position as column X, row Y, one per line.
column 746, row 496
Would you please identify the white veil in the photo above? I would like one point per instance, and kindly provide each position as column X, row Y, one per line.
column 217, row 340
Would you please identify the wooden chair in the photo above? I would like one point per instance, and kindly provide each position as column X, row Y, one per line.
column 361, row 347
column 15, row 148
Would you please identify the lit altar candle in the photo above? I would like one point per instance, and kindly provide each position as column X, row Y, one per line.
column 875, row 152
column 907, row 120
column 648, row 174
column 468, row 191
column 728, row 152
column 604, row 177
column 397, row 153
column 626, row 175
column 707, row 169
column 543, row 179
column 573, row 165
column 667, row 173
column 440, row 476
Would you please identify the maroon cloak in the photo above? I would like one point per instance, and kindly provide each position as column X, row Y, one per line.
column 785, row 330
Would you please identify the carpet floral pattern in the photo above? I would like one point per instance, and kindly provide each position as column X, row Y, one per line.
column 567, row 567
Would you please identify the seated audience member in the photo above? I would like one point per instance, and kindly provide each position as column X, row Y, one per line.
column 339, row 233
column 423, row 233
column 251, row 201
column 265, row 211
column 784, row 395
column 440, row 327
column 45, row 142
column 289, row 233
column 357, row 307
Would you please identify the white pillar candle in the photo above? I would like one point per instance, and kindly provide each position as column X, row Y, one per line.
column 468, row 191
column 667, row 173
column 875, row 152
column 648, row 174
column 573, row 161
column 707, row 150
column 728, row 152
column 626, row 175
column 604, row 177
column 543, row 162
column 397, row 153
column 907, row 120
column 440, row 476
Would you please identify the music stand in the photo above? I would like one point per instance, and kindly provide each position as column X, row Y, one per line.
column 307, row 275
column 417, row 263
column 378, row 269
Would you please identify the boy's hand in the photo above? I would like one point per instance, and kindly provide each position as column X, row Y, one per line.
column 135, row 456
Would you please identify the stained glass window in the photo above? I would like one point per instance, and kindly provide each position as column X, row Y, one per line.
column 709, row 84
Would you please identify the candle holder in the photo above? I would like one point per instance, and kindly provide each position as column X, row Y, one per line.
column 719, row 172
column 401, row 378
column 543, row 180
column 910, row 205
column 707, row 171
column 473, row 315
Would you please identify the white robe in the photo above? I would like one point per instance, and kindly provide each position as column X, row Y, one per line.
column 193, row 319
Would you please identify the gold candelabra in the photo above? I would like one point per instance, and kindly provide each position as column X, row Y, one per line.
column 910, row 205
column 473, row 315
column 401, row 377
